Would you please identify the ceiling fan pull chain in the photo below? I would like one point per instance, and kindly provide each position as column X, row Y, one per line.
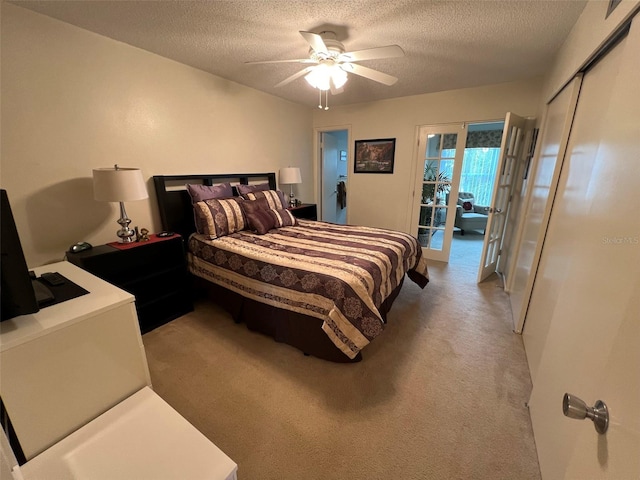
column 326, row 99
column 319, row 98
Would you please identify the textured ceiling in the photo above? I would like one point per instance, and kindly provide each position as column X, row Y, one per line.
column 449, row 44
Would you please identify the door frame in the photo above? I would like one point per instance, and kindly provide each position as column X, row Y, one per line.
column 317, row 161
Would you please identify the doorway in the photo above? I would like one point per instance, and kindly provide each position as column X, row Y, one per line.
column 479, row 166
column 333, row 164
column 441, row 205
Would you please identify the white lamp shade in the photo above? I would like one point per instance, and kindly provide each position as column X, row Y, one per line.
column 290, row 176
column 118, row 185
column 323, row 75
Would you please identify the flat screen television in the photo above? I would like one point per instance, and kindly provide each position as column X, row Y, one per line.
column 18, row 295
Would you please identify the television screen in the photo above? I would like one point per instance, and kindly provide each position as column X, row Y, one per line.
column 18, row 296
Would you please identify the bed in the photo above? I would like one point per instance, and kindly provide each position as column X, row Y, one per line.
column 323, row 288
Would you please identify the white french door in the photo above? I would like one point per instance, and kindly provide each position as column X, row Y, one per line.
column 510, row 154
column 440, row 153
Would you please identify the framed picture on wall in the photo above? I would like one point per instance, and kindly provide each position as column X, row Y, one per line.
column 374, row 156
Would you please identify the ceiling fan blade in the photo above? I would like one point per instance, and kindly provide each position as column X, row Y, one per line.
column 390, row 51
column 316, row 42
column 297, row 60
column 296, row 75
column 369, row 73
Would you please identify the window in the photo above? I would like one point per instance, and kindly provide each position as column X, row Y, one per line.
column 480, row 161
column 478, row 173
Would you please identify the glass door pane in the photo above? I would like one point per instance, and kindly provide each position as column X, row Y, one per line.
column 437, row 178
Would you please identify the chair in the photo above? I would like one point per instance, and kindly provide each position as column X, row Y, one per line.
column 470, row 216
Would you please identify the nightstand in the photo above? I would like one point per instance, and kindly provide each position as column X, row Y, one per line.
column 307, row 211
column 155, row 272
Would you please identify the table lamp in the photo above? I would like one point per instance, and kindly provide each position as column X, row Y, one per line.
column 290, row 176
column 121, row 185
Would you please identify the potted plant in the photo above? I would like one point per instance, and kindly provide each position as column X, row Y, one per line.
column 438, row 184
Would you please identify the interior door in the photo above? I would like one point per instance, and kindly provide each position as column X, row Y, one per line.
column 582, row 333
column 440, row 154
column 540, row 192
column 330, row 154
column 510, row 153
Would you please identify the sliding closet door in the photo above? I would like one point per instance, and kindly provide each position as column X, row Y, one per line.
column 588, row 282
column 541, row 189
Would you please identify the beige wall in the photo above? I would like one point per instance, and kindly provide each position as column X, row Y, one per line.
column 386, row 200
column 73, row 101
column 587, row 36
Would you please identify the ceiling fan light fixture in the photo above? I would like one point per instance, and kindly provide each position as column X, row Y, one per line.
column 338, row 77
column 322, row 76
column 319, row 77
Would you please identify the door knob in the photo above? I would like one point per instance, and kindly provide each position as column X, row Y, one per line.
column 574, row 407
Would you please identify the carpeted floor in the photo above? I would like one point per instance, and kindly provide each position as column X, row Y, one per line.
column 439, row 395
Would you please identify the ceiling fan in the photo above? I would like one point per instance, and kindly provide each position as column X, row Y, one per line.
column 330, row 64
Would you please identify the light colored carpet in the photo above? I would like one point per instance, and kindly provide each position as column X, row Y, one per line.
column 439, row 395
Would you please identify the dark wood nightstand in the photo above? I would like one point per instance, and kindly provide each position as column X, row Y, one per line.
column 155, row 272
column 307, row 211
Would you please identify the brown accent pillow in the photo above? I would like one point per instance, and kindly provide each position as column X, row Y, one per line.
column 261, row 187
column 252, row 206
column 219, row 217
column 261, row 221
column 283, row 217
column 275, row 198
column 200, row 193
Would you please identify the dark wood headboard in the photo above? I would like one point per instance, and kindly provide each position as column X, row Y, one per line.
column 176, row 212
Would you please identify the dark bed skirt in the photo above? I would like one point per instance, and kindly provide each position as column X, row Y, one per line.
column 300, row 331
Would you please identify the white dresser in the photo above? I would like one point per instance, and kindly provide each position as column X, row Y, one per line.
column 75, row 382
column 62, row 367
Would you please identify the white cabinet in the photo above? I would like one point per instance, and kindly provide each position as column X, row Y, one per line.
column 62, row 367
column 75, row 382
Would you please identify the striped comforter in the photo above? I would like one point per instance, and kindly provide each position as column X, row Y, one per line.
column 340, row 274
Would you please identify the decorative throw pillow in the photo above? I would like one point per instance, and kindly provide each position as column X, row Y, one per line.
column 261, row 187
column 252, row 206
column 283, row 217
column 467, row 206
column 275, row 198
column 200, row 193
column 219, row 217
column 261, row 221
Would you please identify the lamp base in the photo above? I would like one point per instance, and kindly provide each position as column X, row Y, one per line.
column 125, row 234
column 292, row 199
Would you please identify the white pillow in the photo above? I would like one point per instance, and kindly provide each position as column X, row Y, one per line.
column 467, row 205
